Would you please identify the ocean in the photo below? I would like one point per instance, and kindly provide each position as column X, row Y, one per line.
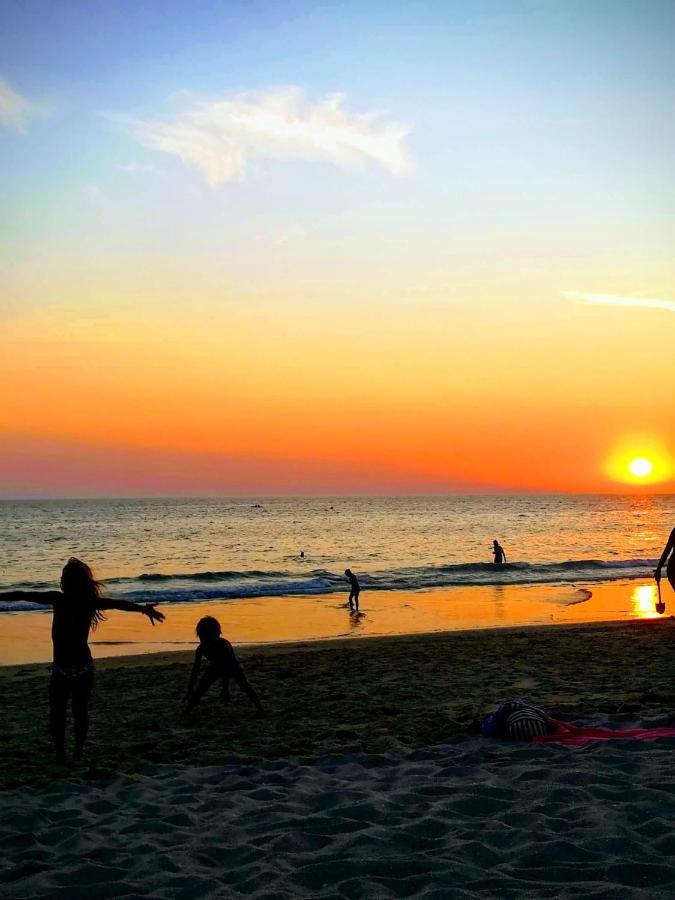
column 186, row 550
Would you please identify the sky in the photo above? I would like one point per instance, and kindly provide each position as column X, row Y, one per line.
column 289, row 247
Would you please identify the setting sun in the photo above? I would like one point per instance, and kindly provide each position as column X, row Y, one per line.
column 641, row 467
column 640, row 460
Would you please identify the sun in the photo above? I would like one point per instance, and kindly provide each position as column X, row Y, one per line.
column 641, row 460
column 641, row 467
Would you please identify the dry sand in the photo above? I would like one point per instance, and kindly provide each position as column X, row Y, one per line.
column 362, row 781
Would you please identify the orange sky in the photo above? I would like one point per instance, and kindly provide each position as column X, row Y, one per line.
column 291, row 398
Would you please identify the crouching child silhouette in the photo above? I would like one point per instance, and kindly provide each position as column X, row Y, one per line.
column 223, row 666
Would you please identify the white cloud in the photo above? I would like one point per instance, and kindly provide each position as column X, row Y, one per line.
column 95, row 195
column 134, row 168
column 612, row 300
column 221, row 137
column 284, row 234
column 15, row 110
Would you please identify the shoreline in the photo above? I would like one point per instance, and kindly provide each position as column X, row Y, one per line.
column 25, row 637
column 309, row 645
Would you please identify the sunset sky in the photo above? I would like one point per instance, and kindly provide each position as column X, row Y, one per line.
column 295, row 247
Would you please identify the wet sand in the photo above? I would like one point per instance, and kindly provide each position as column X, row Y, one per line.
column 26, row 636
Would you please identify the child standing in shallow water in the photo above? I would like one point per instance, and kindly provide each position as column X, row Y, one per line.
column 354, row 590
column 223, row 666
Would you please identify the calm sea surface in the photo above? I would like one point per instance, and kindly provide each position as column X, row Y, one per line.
column 185, row 550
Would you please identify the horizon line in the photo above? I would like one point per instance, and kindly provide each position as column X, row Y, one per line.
column 40, row 498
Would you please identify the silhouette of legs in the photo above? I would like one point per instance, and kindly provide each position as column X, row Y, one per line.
column 81, row 692
column 213, row 674
column 210, row 676
column 58, row 703
column 78, row 691
column 242, row 681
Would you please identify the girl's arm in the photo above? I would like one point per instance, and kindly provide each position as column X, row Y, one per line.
column 664, row 556
column 148, row 609
column 47, row 598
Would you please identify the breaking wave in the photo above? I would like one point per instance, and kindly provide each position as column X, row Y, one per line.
column 231, row 585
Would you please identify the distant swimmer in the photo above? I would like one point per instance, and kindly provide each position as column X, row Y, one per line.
column 302, row 554
column 668, row 551
column 498, row 553
column 354, row 590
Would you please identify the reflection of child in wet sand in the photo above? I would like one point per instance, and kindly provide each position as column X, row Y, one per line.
column 223, row 666
column 354, row 590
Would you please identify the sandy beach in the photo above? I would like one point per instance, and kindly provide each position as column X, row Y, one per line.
column 365, row 778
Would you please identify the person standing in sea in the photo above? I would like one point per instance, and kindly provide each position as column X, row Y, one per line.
column 668, row 551
column 498, row 553
column 77, row 611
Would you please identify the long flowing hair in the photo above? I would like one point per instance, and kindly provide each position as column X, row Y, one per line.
column 78, row 584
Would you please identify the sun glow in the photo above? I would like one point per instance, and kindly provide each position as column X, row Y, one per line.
column 640, row 461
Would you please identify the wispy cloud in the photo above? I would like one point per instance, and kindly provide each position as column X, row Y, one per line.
column 134, row 168
column 284, row 234
column 95, row 195
column 15, row 110
column 221, row 137
column 613, row 300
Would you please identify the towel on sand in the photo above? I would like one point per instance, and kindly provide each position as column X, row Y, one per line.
column 577, row 736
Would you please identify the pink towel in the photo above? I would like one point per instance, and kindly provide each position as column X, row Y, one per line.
column 573, row 736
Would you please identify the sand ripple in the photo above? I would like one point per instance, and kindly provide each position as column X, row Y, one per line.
column 473, row 819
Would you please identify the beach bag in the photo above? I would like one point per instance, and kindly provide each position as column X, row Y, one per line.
column 517, row 720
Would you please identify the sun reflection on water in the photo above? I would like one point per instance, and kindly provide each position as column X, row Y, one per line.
column 643, row 600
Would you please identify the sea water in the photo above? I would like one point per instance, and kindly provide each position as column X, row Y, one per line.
column 186, row 550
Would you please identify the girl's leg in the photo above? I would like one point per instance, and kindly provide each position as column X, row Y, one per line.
column 225, row 692
column 82, row 688
column 243, row 682
column 203, row 685
column 59, row 690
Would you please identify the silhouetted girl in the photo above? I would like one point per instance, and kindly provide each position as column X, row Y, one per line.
column 77, row 611
column 668, row 550
column 222, row 667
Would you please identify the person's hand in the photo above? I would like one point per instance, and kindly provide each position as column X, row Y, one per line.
column 153, row 614
column 657, row 574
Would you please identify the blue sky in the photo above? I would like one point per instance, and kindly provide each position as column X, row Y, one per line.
column 517, row 115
